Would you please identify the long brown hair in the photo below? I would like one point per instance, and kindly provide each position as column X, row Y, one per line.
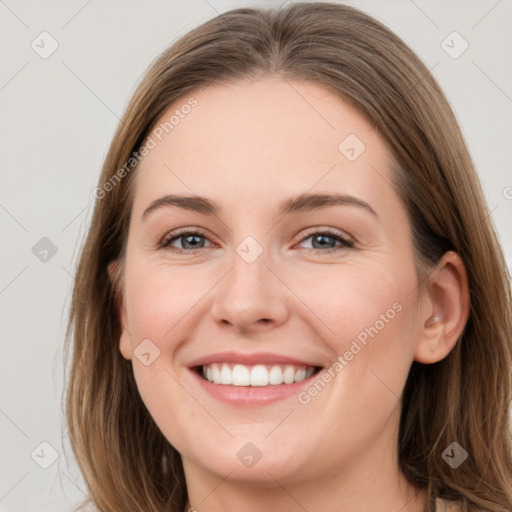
column 127, row 463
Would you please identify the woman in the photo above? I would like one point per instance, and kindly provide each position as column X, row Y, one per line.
column 291, row 296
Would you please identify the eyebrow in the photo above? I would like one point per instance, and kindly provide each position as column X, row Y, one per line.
column 301, row 203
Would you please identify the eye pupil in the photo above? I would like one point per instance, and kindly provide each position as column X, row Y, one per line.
column 186, row 241
column 322, row 239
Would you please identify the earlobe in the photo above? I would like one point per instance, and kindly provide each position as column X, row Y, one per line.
column 114, row 271
column 446, row 310
column 125, row 344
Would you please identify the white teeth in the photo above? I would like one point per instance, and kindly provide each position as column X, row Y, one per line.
column 275, row 375
column 300, row 375
column 241, row 376
column 289, row 375
column 257, row 375
column 216, row 374
column 226, row 376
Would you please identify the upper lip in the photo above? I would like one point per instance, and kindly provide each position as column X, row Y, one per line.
column 249, row 359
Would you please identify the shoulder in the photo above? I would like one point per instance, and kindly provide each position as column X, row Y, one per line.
column 447, row 506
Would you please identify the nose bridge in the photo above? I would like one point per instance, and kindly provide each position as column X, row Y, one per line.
column 250, row 295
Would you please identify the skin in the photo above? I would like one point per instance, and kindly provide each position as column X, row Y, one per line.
column 248, row 146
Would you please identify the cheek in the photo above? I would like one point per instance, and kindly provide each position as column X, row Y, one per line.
column 159, row 300
column 354, row 298
column 366, row 317
column 160, row 307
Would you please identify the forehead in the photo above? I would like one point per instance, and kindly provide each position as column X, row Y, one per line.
column 255, row 140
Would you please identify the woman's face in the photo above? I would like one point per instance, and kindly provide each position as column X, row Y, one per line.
column 301, row 261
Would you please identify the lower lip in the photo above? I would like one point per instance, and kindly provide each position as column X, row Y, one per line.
column 252, row 395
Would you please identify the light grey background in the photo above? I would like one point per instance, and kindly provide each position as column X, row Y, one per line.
column 57, row 119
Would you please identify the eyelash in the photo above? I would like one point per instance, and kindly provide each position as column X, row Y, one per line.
column 346, row 244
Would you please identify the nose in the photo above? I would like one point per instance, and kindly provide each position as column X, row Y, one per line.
column 251, row 298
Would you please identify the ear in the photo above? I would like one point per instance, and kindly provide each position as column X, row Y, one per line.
column 125, row 343
column 445, row 311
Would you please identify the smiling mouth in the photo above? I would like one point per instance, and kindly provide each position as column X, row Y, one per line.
column 258, row 375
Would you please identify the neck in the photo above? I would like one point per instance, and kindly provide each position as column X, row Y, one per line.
column 328, row 496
